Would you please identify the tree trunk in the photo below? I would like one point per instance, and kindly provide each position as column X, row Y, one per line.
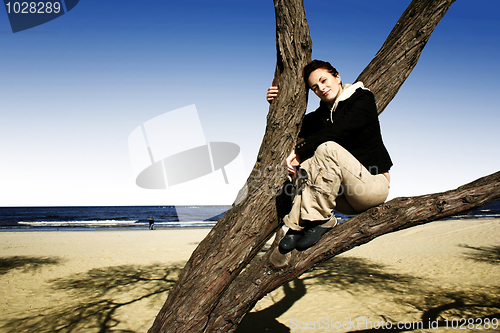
column 211, row 295
column 246, row 227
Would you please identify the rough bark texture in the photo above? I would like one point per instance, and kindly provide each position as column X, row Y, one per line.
column 400, row 52
column 213, row 294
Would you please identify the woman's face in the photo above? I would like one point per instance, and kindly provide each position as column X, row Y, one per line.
column 326, row 86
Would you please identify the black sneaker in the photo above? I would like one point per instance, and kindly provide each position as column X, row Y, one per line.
column 290, row 240
column 311, row 236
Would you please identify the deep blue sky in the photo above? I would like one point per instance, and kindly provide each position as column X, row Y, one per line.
column 73, row 89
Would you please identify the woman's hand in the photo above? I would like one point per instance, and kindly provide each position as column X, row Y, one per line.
column 272, row 92
column 292, row 162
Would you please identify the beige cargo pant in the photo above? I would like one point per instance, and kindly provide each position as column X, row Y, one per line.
column 335, row 180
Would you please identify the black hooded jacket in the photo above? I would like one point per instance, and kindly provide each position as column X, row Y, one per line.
column 355, row 127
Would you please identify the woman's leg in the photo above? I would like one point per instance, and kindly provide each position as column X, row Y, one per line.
column 343, row 206
column 332, row 172
column 292, row 220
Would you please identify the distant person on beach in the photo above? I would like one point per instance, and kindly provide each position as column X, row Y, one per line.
column 151, row 224
column 340, row 161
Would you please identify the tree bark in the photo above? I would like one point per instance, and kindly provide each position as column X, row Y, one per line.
column 246, row 227
column 211, row 295
column 399, row 54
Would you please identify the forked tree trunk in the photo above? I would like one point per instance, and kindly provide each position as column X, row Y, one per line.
column 245, row 228
column 211, row 295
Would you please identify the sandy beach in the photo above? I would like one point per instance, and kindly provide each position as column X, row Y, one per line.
column 98, row 281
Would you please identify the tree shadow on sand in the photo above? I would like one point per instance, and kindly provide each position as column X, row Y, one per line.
column 486, row 254
column 348, row 273
column 265, row 320
column 469, row 308
column 95, row 301
column 463, row 310
column 359, row 276
column 26, row 263
column 97, row 297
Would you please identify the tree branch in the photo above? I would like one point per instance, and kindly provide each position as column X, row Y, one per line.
column 399, row 54
column 274, row 269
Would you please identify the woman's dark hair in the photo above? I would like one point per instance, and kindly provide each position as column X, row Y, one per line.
column 314, row 65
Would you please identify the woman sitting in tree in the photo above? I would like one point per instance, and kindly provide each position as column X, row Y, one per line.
column 340, row 160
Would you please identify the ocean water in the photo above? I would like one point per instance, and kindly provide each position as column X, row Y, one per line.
column 110, row 217
column 137, row 217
